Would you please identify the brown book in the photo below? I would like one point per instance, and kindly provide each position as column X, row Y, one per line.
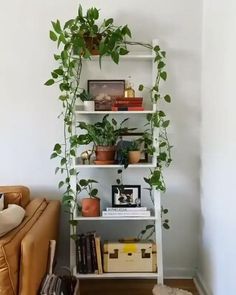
column 99, row 254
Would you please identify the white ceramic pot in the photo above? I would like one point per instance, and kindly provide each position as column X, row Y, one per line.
column 89, row 106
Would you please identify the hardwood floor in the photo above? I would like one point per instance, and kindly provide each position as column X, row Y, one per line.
column 130, row 287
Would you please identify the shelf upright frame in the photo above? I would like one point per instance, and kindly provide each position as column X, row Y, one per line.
column 156, row 193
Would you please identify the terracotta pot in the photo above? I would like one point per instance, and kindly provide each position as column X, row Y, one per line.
column 134, row 157
column 105, row 153
column 92, row 44
column 90, row 207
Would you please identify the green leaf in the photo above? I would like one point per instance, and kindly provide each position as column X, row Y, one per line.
column 73, row 222
column 72, row 171
column 166, row 225
column 115, row 56
column 63, row 161
column 62, row 39
column 59, row 72
column 94, row 192
column 123, row 51
column 56, row 170
column 149, row 117
column 95, row 13
column 163, row 75
column 119, row 171
column 49, row 82
column 118, row 181
column 52, row 36
column 56, row 26
column 80, row 11
column 165, row 211
column 140, row 88
column 167, row 98
column 83, row 182
column 63, row 97
column 54, row 75
column 57, row 147
column 161, row 114
column 149, row 226
column 108, row 22
column 72, row 152
column 69, row 23
column 166, row 123
column 57, row 57
column 163, row 53
column 162, row 144
column 61, row 183
column 156, row 48
column 161, row 65
column 53, row 155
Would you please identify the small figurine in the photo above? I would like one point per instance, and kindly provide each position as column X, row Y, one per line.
column 86, row 155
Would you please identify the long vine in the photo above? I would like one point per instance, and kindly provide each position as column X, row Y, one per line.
column 72, row 43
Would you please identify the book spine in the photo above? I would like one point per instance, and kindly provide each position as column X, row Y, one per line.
column 131, row 209
column 127, row 109
column 99, row 255
column 79, row 263
column 134, row 214
column 88, row 256
column 84, row 255
column 93, row 253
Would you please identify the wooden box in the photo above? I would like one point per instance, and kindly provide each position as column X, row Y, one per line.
column 130, row 256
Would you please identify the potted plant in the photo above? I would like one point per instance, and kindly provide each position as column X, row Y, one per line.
column 104, row 136
column 90, row 205
column 134, row 153
column 88, row 101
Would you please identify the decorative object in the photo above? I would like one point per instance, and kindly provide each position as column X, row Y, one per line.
column 85, row 156
column 164, row 290
column 129, row 91
column 91, row 205
column 126, row 196
column 104, row 92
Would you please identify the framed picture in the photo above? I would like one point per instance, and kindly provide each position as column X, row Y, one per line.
column 100, row 89
column 126, row 196
column 129, row 137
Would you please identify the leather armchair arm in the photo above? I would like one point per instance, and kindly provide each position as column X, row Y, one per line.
column 35, row 249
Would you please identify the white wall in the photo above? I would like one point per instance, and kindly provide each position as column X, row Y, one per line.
column 217, row 269
column 28, row 113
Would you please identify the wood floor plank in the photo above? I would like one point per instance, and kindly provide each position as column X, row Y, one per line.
column 131, row 287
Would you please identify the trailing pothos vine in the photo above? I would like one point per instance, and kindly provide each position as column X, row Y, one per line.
column 73, row 42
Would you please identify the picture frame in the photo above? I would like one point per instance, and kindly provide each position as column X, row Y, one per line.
column 112, row 88
column 131, row 136
column 126, row 196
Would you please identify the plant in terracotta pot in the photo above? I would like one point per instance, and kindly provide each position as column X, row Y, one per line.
column 104, row 136
column 91, row 205
column 134, row 153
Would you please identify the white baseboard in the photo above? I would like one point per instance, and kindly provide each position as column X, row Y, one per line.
column 179, row 273
column 200, row 285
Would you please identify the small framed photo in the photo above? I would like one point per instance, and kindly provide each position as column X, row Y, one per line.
column 126, row 196
column 100, row 89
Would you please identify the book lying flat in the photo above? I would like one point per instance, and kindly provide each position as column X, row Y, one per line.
column 125, row 213
column 126, row 209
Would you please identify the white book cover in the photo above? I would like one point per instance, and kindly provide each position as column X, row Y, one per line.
column 128, row 209
column 125, row 213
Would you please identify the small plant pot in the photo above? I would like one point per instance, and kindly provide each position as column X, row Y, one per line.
column 92, row 44
column 90, row 207
column 89, row 106
column 105, row 153
column 134, row 157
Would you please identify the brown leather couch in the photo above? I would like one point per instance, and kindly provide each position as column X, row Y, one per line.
column 24, row 250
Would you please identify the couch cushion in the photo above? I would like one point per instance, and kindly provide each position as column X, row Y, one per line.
column 10, row 218
column 18, row 195
column 10, row 245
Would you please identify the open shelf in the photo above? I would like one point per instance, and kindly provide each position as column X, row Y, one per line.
column 102, row 218
column 141, row 165
column 123, row 275
column 80, row 112
column 132, row 56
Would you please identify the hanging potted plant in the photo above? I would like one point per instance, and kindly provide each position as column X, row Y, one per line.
column 90, row 205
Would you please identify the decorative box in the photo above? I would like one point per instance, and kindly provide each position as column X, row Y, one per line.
column 130, row 256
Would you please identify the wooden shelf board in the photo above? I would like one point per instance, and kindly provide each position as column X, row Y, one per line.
column 80, row 112
column 133, row 55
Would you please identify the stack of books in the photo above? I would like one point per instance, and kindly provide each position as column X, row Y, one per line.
column 128, row 104
column 126, row 211
column 88, row 254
